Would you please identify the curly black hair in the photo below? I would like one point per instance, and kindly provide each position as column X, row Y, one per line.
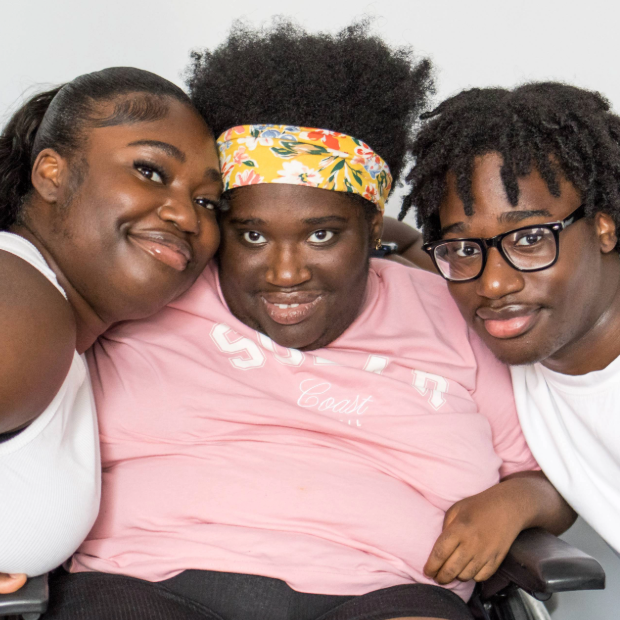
column 553, row 127
column 351, row 82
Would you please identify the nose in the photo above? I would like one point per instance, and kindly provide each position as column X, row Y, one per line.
column 498, row 278
column 182, row 213
column 287, row 267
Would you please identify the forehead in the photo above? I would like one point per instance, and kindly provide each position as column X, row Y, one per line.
column 492, row 211
column 180, row 126
column 280, row 203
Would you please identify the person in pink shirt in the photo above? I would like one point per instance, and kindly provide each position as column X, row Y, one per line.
column 306, row 434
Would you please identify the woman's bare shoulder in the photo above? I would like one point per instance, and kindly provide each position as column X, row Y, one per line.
column 37, row 341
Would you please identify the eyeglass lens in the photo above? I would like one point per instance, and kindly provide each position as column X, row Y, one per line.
column 528, row 249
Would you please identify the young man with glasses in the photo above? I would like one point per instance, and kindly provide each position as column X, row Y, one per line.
column 518, row 194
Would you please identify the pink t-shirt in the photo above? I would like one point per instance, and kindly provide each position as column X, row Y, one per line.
column 329, row 469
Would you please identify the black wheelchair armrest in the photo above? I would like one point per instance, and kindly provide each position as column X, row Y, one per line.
column 30, row 601
column 540, row 564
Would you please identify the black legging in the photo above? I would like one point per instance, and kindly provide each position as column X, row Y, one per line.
column 210, row 595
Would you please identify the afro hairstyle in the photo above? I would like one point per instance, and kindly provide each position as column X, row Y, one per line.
column 351, row 82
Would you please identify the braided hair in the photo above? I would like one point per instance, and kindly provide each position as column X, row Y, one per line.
column 556, row 128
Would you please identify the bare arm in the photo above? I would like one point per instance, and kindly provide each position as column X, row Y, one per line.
column 37, row 342
column 479, row 530
column 409, row 241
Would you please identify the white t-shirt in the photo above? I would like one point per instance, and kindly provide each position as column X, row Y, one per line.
column 572, row 425
column 50, row 472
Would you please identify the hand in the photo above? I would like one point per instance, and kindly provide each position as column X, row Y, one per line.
column 477, row 534
column 11, row 583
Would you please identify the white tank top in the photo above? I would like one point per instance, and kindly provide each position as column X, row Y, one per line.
column 50, row 476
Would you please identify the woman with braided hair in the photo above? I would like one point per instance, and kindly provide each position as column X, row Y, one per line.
column 108, row 186
column 301, row 434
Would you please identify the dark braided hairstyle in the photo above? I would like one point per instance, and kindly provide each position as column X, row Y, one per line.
column 351, row 82
column 60, row 118
column 553, row 127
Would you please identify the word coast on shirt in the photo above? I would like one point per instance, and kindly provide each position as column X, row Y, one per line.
column 330, row 469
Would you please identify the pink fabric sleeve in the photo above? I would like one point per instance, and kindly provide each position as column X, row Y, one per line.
column 494, row 396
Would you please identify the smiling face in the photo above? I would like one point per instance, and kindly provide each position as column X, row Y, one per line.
column 556, row 314
column 294, row 261
column 140, row 226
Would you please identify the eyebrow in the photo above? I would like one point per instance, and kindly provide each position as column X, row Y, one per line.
column 166, row 148
column 457, row 227
column 317, row 221
column 214, row 175
column 311, row 221
column 508, row 217
column 251, row 221
column 518, row 216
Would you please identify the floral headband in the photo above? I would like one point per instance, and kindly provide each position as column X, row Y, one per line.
column 253, row 154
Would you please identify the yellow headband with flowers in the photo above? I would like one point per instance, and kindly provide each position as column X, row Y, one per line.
column 253, row 154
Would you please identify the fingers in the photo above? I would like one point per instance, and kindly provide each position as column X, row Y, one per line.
column 442, row 550
column 452, row 558
column 478, row 570
column 460, row 565
column 11, row 583
column 488, row 570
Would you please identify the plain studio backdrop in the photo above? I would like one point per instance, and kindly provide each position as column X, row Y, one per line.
column 475, row 43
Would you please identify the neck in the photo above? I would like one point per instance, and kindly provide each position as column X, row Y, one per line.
column 599, row 344
column 89, row 325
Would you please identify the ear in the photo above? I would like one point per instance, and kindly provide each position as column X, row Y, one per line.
column 376, row 226
column 606, row 232
column 48, row 174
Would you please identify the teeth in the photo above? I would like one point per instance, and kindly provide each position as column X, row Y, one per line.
column 286, row 306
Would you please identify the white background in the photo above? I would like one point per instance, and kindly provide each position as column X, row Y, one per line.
column 472, row 43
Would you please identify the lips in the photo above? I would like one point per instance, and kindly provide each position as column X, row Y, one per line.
column 165, row 247
column 510, row 321
column 290, row 308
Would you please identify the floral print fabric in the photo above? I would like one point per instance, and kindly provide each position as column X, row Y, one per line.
column 252, row 154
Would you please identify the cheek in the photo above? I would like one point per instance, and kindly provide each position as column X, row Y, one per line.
column 466, row 298
column 240, row 271
column 99, row 210
column 572, row 278
column 209, row 239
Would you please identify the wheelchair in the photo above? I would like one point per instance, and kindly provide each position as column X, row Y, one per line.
column 537, row 565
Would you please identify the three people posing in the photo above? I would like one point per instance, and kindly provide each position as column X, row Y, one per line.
column 303, row 434
column 293, row 271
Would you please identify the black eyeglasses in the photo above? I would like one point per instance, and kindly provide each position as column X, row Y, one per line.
column 531, row 248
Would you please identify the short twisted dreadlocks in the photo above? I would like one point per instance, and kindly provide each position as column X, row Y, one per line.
column 553, row 127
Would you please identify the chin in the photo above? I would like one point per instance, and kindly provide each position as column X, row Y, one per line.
column 291, row 341
column 517, row 355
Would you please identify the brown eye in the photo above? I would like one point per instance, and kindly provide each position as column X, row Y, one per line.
column 254, row 237
column 150, row 173
column 321, row 236
column 206, row 203
column 467, row 250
